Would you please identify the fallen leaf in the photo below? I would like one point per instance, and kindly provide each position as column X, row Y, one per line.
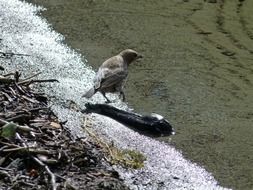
column 9, row 130
column 56, row 125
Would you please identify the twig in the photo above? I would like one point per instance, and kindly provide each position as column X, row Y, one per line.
column 9, row 74
column 28, row 78
column 14, row 149
column 40, row 151
column 6, row 169
column 30, row 99
column 67, row 185
column 9, row 144
column 25, row 183
column 18, row 137
column 4, row 80
column 25, row 129
column 3, row 122
column 4, row 174
column 11, row 54
column 7, row 96
column 19, row 118
column 19, row 127
column 52, row 176
column 12, row 91
column 29, row 111
column 21, row 90
column 43, row 80
column 29, row 150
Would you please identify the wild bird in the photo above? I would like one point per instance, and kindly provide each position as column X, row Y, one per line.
column 112, row 74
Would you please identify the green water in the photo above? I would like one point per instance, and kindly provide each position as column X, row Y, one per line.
column 197, row 70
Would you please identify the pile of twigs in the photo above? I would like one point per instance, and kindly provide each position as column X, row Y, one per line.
column 36, row 151
column 24, row 120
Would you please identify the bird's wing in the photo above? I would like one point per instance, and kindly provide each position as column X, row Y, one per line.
column 114, row 77
column 109, row 77
column 99, row 77
column 110, row 73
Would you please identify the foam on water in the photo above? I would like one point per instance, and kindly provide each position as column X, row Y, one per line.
column 23, row 31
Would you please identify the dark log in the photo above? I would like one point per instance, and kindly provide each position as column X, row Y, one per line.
column 151, row 125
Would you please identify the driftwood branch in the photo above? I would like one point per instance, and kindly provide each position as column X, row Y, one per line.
column 150, row 125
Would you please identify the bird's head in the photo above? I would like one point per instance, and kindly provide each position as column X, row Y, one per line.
column 130, row 55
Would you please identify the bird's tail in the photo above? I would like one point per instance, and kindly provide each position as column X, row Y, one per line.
column 89, row 93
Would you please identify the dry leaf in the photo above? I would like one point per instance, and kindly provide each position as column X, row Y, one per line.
column 55, row 125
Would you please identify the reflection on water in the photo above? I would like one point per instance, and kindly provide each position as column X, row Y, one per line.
column 197, row 69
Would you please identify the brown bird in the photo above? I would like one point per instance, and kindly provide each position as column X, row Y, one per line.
column 112, row 74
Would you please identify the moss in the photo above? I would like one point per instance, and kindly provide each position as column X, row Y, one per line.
column 128, row 158
column 125, row 157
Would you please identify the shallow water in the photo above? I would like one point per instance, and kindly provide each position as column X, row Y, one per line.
column 197, row 69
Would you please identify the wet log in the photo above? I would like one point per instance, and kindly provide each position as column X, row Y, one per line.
column 151, row 125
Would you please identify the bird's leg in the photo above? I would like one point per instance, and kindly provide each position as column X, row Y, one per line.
column 107, row 100
column 123, row 95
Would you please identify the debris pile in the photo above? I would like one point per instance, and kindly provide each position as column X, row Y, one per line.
column 37, row 151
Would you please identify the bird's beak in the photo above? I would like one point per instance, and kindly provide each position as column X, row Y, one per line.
column 139, row 56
